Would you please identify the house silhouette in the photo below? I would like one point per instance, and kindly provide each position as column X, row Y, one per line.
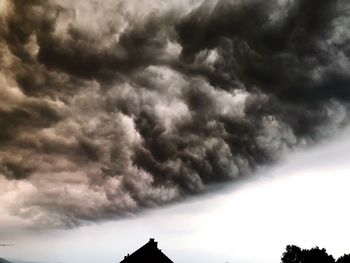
column 148, row 253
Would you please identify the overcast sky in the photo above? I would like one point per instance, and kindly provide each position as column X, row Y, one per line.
column 196, row 122
column 303, row 201
column 110, row 107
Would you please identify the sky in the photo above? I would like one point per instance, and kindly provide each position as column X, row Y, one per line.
column 123, row 110
column 302, row 200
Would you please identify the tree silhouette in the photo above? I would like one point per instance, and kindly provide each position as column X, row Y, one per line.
column 344, row 259
column 317, row 255
column 294, row 254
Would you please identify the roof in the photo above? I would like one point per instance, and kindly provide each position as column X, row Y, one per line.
column 147, row 253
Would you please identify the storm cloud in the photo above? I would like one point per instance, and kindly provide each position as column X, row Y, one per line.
column 109, row 107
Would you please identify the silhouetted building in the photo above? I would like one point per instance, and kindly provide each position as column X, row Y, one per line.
column 148, row 253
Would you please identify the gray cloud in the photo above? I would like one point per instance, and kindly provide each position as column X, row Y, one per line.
column 109, row 108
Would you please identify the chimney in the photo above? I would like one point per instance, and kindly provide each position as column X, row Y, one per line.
column 151, row 241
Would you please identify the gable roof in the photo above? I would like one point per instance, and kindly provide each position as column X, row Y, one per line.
column 147, row 253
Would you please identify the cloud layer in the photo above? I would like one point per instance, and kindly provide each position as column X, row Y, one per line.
column 109, row 107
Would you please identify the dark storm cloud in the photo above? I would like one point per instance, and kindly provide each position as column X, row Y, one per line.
column 134, row 104
column 277, row 50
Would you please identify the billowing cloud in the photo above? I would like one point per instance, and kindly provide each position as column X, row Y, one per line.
column 109, row 107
